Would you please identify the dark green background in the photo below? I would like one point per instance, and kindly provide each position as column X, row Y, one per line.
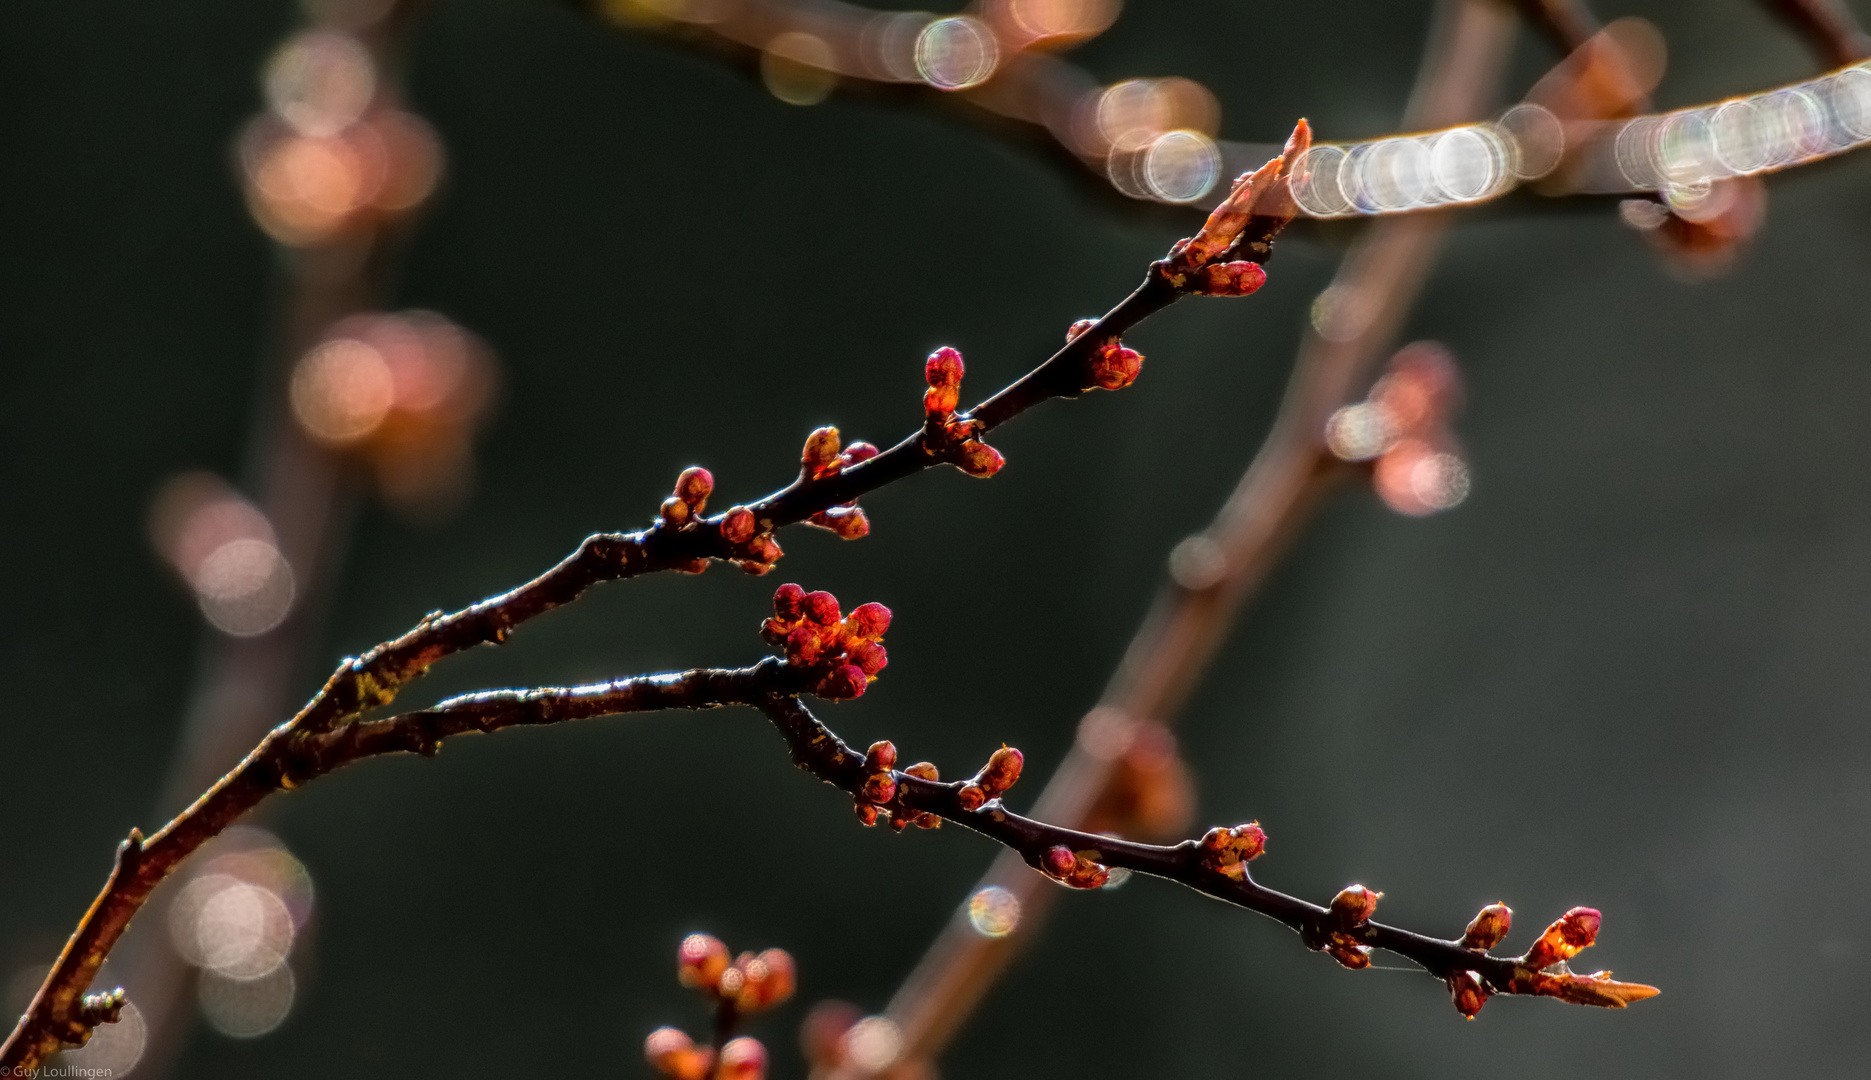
column 1629, row 671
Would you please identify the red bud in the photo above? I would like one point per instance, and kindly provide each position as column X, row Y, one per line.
column 1354, row 905
column 738, row 526
column 694, row 486
column 859, row 452
column 742, row 1059
column 821, row 607
column 675, row 511
column 1489, row 928
column 979, row 459
column 924, row 770
column 869, row 621
column 1114, row 367
column 1060, row 861
column 1001, row 771
column 869, row 656
column 881, row 755
column 802, row 646
column 789, row 601
column 944, row 368
column 847, row 681
column 879, row 788
column 700, row 960
column 1072, row 332
column 820, row 451
column 1468, row 992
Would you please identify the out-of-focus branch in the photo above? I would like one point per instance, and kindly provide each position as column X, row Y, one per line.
column 1216, row 571
column 1223, row 258
column 1828, row 27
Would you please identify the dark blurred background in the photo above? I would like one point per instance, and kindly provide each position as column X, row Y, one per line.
column 1628, row 671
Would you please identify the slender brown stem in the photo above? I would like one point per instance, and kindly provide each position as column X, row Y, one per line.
column 1828, row 27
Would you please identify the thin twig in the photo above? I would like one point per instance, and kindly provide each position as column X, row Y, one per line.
column 1829, row 28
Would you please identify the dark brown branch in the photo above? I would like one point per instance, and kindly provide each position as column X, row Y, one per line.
column 1827, row 27
column 321, row 736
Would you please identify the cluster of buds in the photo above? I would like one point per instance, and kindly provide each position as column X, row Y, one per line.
column 1228, row 851
column 880, row 795
column 752, row 550
column 822, row 459
column 1402, row 429
column 1001, row 771
column 1110, row 366
column 945, row 437
column 750, row 983
column 1543, row 969
column 840, row 655
column 1075, row 869
column 1488, row 928
column 1223, row 258
column 1337, row 932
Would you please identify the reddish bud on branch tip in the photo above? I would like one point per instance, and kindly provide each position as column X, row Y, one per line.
column 1225, row 224
column 1072, row 332
column 737, row 526
column 672, row 1053
column 694, row 486
column 859, row 452
column 789, row 601
column 821, row 450
column 802, row 646
column 1060, row 861
column 767, row 980
column 869, row 621
column 764, row 552
column 1239, row 278
column 700, row 960
column 1489, row 928
column 820, row 607
column 881, row 755
column 943, row 369
column 675, row 511
column 743, row 1059
column 879, row 788
column 1354, row 905
column 1250, row 840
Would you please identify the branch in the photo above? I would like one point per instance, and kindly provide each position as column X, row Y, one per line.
column 1222, row 259
column 1828, row 27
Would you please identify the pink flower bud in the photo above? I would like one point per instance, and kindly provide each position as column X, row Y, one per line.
column 868, row 621
column 1354, row 905
column 670, row 1052
column 700, row 960
column 1230, row 279
column 802, row 646
column 768, row 981
column 944, row 368
column 1249, row 841
column 764, row 549
column 844, row 682
column 1001, row 771
column 821, row 607
column 848, row 522
column 789, row 601
column 879, row 788
column 1489, row 928
column 859, row 452
column 694, row 486
column 820, row 451
column 977, row 458
column 881, row 755
column 869, row 656
column 1059, row 861
column 1564, row 939
column 1072, row 332
column 675, row 511
column 1468, row 992
column 743, row 1059
column 738, row 526
column 1114, row 367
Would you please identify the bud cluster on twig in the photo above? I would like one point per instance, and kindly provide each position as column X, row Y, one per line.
column 840, row 655
column 748, row 984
